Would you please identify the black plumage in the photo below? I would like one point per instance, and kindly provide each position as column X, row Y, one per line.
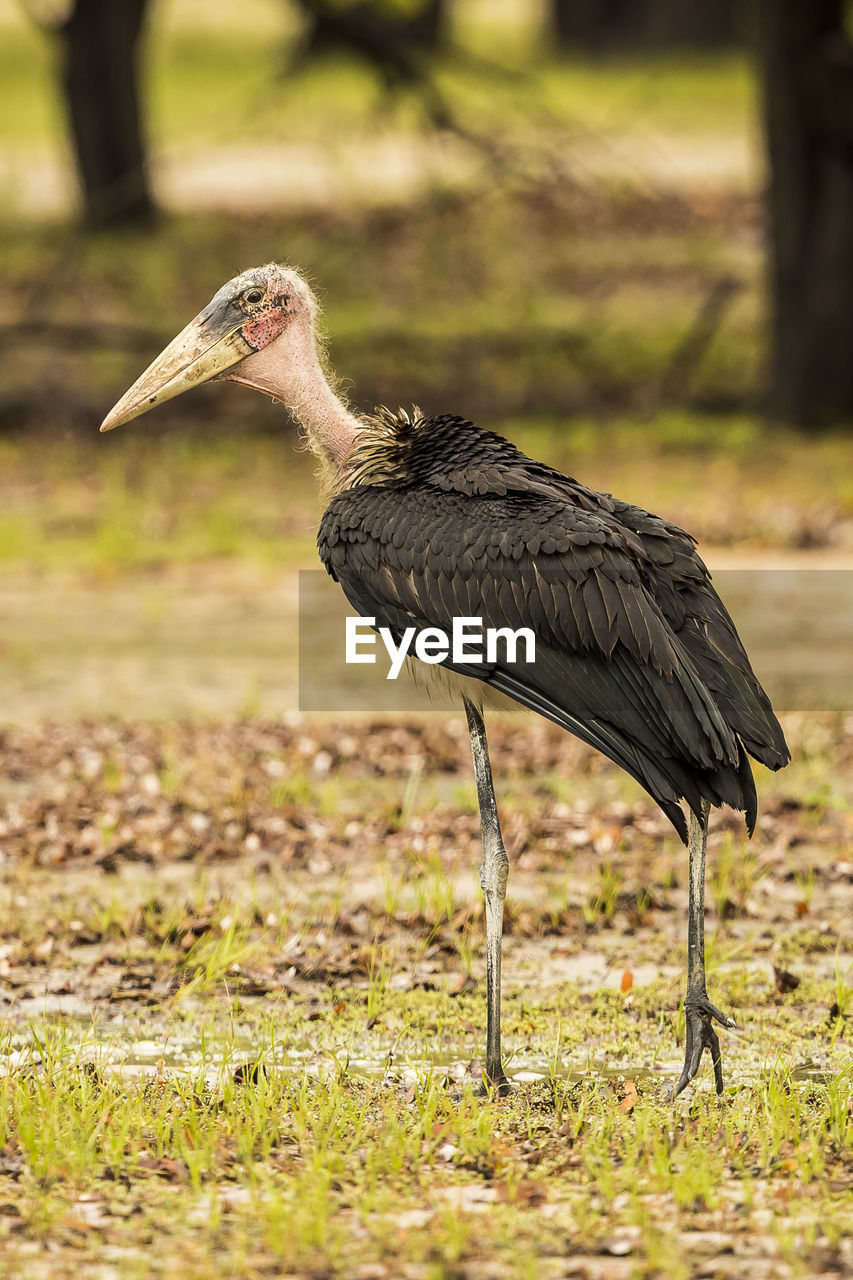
column 636, row 653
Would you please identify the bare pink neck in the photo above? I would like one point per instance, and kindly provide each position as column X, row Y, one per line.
column 289, row 370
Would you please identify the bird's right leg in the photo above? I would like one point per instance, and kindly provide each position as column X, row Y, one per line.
column 493, row 877
column 699, row 1013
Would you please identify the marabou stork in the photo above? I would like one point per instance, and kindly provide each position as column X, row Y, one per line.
column 432, row 517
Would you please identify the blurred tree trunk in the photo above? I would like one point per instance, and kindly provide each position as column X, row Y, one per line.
column 99, row 46
column 807, row 73
column 430, row 24
column 625, row 26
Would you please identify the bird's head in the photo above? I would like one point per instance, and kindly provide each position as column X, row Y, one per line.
column 232, row 338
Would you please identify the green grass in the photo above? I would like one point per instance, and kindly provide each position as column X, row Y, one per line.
column 331, row 1171
column 558, row 300
column 271, row 1061
column 188, row 51
column 529, row 309
column 29, row 110
column 102, row 509
column 690, row 93
column 132, row 503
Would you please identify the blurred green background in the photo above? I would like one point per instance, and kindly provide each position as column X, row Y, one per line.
column 563, row 243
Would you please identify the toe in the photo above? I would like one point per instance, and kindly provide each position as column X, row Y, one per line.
column 716, row 1059
column 702, row 1005
column 695, row 1058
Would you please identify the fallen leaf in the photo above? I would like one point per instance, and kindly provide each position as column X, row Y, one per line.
column 160, row 1167
column 631, row 1097
column 461, row 985
column 523, row 1192
column 627, row 980
column 785, row 981
column 72, row 1223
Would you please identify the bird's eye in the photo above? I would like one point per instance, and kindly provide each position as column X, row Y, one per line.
column 254, row 296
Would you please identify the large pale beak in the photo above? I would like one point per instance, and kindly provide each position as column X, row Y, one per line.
column 198, row 354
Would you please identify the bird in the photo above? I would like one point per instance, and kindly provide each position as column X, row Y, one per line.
column 431, row 518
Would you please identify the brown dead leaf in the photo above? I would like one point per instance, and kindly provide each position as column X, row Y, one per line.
column 785, row 980
column 461, row 984
column 522, row 923
column 631, row 1097
column 469, row 914
column 73, row 1223
column 42, row 951
column 627, row 980
column 159, row 1167
column 524, row 1192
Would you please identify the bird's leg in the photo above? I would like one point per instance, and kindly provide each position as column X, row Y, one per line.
column 699, row 1013
column 493, row 876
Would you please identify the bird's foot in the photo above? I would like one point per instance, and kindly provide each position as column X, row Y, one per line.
column 700, row 1016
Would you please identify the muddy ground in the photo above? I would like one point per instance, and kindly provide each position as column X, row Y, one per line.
column 182, row 904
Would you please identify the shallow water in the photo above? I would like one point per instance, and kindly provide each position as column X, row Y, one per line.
column 215, row 1059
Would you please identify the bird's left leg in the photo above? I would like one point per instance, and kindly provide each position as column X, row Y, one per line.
column 699, row 1013
column 493, row 877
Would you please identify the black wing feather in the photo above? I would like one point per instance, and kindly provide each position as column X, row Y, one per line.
column 628, row 690
column 636, row 653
